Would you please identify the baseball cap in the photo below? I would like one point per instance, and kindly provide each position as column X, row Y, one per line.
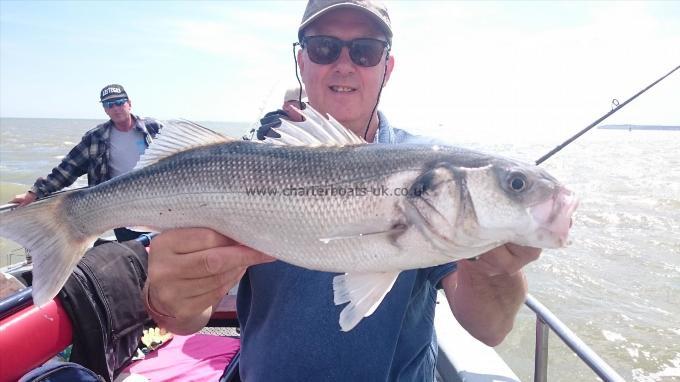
column 111, row 92
column 375, row 9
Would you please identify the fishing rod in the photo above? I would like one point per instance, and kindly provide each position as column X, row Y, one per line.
column 260, row 112
column 614, row 110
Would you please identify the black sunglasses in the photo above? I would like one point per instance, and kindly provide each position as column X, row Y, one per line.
column 324, row 50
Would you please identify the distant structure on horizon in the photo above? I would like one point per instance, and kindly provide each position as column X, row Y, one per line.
column 639, row 127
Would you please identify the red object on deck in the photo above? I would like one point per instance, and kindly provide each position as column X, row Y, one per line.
column 226, row 309
column 32, row 336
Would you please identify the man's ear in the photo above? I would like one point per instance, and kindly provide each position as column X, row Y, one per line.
column 388, row 70
column 301, row 63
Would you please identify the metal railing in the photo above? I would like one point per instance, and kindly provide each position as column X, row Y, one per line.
column 16, row 257
column 545, row 321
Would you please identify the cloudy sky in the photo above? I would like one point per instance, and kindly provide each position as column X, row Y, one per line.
column 509, row 69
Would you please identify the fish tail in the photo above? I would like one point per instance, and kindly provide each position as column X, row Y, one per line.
column 43, row 228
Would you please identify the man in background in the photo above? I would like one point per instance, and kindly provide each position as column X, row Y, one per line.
column 294, row 99
column 291, row 99
column 109, row 150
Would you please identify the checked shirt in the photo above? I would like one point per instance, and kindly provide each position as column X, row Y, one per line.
column 91, row 157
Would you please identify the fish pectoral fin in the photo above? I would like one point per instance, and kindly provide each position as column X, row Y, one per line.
column 363, row 291
column 355, row 233
column 177, row 136
column 315, row 130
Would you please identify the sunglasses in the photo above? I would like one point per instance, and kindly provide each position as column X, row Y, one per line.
column 324, row 50
column 118, row 102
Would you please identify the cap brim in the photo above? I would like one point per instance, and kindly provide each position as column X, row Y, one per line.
column 113, row 97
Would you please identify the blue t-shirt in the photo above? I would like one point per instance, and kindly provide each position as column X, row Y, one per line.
column 290, row 330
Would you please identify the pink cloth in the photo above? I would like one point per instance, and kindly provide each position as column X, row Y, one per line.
column 198, row 357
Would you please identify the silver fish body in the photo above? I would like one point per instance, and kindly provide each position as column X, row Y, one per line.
column 358, row 209
column 280, row 200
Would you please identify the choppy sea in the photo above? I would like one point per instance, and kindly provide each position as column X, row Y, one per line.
column 617, row 286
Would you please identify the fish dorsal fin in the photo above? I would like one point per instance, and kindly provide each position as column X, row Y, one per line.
column 177, row 136
column 315, row 130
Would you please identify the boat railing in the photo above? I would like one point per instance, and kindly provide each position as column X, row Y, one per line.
column 17, row 256
column 546, row 321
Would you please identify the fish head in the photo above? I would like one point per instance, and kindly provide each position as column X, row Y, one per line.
column 521, row 203
column 465, row 211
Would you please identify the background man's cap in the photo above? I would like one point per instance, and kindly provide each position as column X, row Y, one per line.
column 111, row 92
column 375, row 9
column 293, row 93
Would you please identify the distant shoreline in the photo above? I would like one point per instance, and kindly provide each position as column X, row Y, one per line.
column 639, row 127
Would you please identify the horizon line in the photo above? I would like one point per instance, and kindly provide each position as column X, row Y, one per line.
column 104, row 119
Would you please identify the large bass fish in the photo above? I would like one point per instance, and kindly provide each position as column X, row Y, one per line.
column 329, row 202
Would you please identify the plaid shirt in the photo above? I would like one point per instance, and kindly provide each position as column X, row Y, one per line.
column 91, row 157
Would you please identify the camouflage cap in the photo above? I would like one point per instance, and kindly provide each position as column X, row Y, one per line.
column 375, row 9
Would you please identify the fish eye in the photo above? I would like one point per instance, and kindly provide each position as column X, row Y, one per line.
column 517, row 182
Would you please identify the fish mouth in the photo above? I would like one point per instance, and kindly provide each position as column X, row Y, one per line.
column 555, row 216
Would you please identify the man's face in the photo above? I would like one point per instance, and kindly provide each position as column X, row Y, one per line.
column 343, row 89
column 119, row 114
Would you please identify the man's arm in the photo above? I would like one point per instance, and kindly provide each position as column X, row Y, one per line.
column 486, row 294
column 74, row 164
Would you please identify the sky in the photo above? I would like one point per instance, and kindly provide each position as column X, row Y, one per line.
column 494, row 70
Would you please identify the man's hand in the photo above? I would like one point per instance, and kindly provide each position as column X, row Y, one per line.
column 486, row 294
column 293, row 115
column 507, row 259
column 190, row 270
column 24, row 199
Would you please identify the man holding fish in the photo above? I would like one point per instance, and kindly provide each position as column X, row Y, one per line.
column 354, row 292
column 289, row 324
